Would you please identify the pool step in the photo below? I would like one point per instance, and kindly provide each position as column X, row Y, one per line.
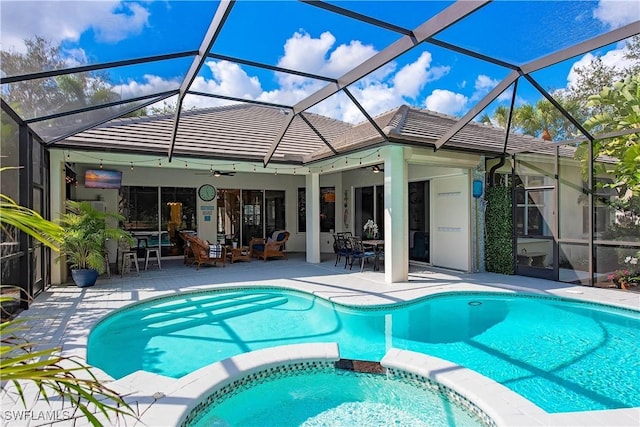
column 360, row 366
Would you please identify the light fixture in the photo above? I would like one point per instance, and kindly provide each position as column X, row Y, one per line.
column 375, row 169
column 216, row 173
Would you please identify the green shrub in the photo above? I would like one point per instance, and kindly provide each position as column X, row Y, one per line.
column 499, row 231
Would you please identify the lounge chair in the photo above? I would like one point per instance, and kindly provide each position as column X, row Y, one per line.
column 205, row 253
column 272, row 247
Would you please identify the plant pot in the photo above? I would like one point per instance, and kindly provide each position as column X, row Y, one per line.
column 84, row 277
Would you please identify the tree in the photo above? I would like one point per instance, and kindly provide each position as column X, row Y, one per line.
column 41, row 97
column 620, row 106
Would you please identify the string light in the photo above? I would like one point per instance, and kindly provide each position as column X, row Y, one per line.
column 100, row 163
column 254, row 168
column 234, row 166
column 186, row 166
column 68, row 155
column 294, row 171
column 276, row 171
column 131, row 165
column 159, row 163
column 211, row 169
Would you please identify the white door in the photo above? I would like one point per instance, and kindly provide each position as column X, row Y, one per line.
column 451, row 243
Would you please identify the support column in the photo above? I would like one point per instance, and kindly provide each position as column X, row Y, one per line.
column 396, row 205
column 312, row 183
column 57, row 200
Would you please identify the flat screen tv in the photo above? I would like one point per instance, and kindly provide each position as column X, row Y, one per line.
column 102, row 178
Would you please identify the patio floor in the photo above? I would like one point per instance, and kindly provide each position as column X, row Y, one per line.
column 64, row 315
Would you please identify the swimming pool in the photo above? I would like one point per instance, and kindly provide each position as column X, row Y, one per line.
column 562, row 355
column 326, row 396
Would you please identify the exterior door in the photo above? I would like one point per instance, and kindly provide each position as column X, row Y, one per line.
column 450, row 201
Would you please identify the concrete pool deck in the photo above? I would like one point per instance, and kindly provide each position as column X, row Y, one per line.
column 64, row 315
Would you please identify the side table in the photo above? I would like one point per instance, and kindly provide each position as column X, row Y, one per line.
column 240, row 254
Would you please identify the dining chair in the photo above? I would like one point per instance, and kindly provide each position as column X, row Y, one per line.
column 358, row 251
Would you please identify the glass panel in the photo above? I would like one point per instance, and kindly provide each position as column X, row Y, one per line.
column 252, row 220
column 419, row 221
column 61, row 126
column 178, row 207
column 379, row 219
column 36, row 161
column 551, row 24
column 228, row 214
column 41, row 97
column 535, row 253
column 363, row 209
column 574, row 263
column 98, row 32
column 615, row 263
column 312, row 29
column 11, row 277
column 37, row 263
column 302, row 210
column 406, row 14
column 572, row 192
column 140, row 208
column 534, row 212
column 9, row 143
column 327, row 209
column 275, row 213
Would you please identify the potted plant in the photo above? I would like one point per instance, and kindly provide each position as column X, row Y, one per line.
column 83, row 244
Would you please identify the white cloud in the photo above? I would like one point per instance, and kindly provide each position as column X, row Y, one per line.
column 119, row 25
column 66, row 21
column 446, row 102
column 616, row 13
column 151, row 84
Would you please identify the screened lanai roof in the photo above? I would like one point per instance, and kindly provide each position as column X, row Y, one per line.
column 294, row 81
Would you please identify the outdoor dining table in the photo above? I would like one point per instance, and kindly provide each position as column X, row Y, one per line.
column 378, row 246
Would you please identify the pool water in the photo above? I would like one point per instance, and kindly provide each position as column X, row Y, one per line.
column 336, row 398
column 564, row 356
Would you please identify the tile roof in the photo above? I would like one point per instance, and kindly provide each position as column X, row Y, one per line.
column 246, row 132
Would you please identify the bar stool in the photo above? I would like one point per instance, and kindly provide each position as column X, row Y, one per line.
column 148, row 253
column 107, row 264
column 129, row 253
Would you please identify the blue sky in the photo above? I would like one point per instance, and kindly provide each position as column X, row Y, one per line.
column 295, row 35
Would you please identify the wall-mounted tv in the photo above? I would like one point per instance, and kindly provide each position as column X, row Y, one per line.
column 102, row 178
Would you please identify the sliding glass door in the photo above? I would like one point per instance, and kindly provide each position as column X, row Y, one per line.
column 369, row 204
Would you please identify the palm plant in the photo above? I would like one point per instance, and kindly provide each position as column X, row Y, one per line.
column 52, row 373
column 86, row 232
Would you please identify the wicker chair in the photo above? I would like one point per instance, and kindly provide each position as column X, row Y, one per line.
column 272, row 247
column 204, row 253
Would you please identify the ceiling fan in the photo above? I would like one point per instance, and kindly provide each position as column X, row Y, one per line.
column 216, row 173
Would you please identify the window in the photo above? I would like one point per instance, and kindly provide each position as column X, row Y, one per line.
column 327, row 209
column 302, row 210
column 369, row 204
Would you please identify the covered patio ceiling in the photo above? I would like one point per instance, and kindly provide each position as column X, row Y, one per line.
column 330, row 109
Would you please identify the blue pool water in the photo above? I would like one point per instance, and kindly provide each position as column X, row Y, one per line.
column 564, row 356
column 310, row 399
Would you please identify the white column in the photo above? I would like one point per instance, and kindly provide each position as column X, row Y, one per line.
column 312, row 182
column 57, row 201
column 396, row 228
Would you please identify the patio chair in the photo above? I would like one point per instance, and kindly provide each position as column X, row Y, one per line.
column 186, row 247
column 205, row 253
column 342, row 247
column 272, row 247
column 359, row 252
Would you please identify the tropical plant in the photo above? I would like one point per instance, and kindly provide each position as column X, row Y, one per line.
column 623, row 113
column 52, row 373
column 86, row 232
